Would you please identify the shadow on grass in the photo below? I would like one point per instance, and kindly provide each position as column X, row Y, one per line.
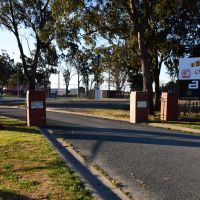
column 48, row 166
column 5, row 195
column 22, row 129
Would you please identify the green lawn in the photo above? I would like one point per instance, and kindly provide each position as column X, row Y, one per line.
column 31, row 169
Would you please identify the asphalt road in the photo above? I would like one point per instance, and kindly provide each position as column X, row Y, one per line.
column 90, row 104
column 151, row 163
column 56, row 103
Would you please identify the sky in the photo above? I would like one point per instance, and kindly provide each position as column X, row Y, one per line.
column 8, row 43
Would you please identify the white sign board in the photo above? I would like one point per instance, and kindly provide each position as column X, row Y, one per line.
column 36, row 104
column 189, row 69
column 141, row 104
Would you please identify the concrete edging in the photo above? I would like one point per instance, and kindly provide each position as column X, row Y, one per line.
column 73, row 166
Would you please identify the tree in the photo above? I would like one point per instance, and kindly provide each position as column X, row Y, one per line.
column 47, row 64
column 115, row 60
column 35, row 17
column 97, row 70
column 172, row 27
column 7, row 68
column 67, row 74
column 154, row 30
column 17, row 78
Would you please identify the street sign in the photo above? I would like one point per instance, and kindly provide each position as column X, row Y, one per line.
column 189, row 78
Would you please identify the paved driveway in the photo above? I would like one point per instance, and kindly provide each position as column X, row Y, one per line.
column 151, row 163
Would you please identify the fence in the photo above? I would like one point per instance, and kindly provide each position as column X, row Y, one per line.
column 189, row 109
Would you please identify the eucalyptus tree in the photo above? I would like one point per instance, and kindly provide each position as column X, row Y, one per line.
column 153, row 29
column 173, row 27
column 67, row 77
column 7, row 69
column 35, row 18
column 86, row 70
column 47, row 65
column 66, row 70
column 115, row 60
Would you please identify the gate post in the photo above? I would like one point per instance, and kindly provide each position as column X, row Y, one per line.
column 169, row 106
column 36, row 108
column 138, row 107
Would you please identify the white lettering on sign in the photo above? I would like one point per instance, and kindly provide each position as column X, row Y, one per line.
column 141, row 104
column 36, row 104
column 194, row 85
column 197, row 71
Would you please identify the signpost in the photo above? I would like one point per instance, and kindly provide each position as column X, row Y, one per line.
column 189, row 78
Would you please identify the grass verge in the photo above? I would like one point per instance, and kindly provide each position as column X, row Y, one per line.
column 30, row 168
column 119, row 114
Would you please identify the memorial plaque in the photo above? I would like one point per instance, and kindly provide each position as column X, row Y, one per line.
column 141, row 104
column 37, row 105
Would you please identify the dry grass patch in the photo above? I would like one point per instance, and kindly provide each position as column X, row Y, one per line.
column 117, row 114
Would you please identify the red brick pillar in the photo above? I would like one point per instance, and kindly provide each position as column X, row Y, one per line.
column 138, row 107
column 36, row 108
column 169, row 106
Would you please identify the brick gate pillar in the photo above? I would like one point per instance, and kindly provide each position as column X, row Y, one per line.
column 169, row 106
column 138, row 107
column 36, row 108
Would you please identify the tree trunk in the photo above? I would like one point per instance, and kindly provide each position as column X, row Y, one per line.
column 31, row 82
column 157, row 91
column 78, row 92
column 156, row 72
column 146, row 70
column 87, row 88
column 66, row 90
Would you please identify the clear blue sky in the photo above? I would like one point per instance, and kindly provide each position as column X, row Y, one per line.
column 8, row 43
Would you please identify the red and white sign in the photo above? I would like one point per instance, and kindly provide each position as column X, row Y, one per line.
column 189, row 68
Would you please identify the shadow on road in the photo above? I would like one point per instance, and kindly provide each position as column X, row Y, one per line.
column 101, row 189
column 101, row 135
column 128, row 135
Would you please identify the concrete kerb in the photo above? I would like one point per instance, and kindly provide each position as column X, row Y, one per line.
column 71, row 157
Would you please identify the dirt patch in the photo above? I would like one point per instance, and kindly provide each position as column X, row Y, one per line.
column 44, row 183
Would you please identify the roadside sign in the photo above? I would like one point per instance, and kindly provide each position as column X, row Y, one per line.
column 189, row 78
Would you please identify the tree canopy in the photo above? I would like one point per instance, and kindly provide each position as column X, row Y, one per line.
column 34, row 17
column 142, row 34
